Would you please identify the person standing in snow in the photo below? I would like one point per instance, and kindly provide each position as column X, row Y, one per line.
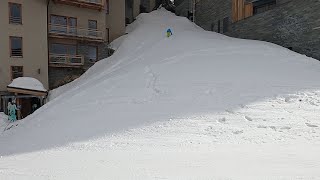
column 12, row 109
column 169, row 32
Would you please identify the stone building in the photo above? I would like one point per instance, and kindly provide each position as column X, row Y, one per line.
column 294, row 24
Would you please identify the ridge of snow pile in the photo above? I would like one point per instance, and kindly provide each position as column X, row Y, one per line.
column 176, row 108
column 27, row 83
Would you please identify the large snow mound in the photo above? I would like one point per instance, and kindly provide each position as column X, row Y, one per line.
column 27, row 83
column 197, row 105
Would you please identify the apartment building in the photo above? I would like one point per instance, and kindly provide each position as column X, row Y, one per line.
column 23, row 42
column 77, row 37
column 56, row 41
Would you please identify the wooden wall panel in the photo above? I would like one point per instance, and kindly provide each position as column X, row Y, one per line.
column 238, row 10
column 241, row 9
column 248, row 10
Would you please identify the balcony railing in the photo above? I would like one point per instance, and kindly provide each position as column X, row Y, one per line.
column 16, row 52
column 99, row 2
column 75, row 32
column 91, row 4
column 66, row 60
column 15, row 20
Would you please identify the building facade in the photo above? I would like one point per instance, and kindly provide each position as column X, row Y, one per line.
column 290, row 23
column 78, row 37
column 23, row 41
column 56, row 41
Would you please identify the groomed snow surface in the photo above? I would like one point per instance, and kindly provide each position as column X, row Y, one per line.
column 197, row 105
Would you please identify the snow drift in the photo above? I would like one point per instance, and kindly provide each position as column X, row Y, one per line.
column 190, row 92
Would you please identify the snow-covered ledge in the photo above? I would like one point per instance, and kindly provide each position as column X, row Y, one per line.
column 27, row 85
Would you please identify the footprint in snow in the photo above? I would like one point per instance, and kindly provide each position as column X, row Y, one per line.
column 311, row 125
column 237, row 132
column 230, row 111
column 262, row 127
column 285, row 128
column 242, row 106
column 222, row 120
column 273, row 128
column 248, row 118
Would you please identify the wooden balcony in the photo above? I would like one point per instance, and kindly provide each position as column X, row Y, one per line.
column 65, row 60
column 69, row 32
column 90, row 4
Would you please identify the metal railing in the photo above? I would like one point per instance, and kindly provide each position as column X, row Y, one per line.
column 16, row 52
column 99, row 2
column 15, row 20
column 66, row 59
column 75, row 31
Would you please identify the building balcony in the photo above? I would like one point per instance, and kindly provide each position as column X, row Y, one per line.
column 90, row 4
column 69, row 32
column 66, row 60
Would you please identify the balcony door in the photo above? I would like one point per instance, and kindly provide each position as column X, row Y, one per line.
column 93, row 28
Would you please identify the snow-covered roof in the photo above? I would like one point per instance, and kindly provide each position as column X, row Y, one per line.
column 27, row 83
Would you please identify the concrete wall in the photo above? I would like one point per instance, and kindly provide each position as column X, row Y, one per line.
column 115, row 20
column 291, row 24
column 34, row 33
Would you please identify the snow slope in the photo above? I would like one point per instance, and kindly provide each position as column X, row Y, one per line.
column 198, row 105
column 3, row 121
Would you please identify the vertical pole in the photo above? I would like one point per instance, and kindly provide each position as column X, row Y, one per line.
column 18, row 103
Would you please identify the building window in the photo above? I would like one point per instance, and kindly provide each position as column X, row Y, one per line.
column 15, row 13
column 93, row 54
column 63, row 49
column 106, row 7
column 225, row 24
column 16, row 46
column 93, row 28
column 63, row 24
column 16, row 71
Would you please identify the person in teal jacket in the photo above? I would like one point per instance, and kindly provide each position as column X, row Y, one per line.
column 12, row 111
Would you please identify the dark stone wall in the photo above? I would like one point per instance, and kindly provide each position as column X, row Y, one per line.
column 292, row 24
column 182, row 7
column 83, row 49
column 59, row 76
column 210, row 12
column 146, row 6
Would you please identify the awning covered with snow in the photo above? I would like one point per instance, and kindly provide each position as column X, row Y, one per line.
column 27, row 85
